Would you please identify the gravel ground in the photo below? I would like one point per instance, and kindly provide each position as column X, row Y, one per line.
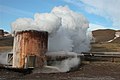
column 88, row 71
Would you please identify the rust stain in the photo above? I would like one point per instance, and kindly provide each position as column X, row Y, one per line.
column 31, row 43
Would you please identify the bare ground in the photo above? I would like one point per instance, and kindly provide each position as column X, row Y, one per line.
column 88, row 71
column 93, row 71
column 97, row 70
column 105, row 47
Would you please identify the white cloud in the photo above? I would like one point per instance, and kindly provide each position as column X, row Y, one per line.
column 76, row 3
column 109, row 9
column 95, row 27
column 106, row 8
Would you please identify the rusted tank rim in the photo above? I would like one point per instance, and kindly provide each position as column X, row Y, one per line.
column 19, row 32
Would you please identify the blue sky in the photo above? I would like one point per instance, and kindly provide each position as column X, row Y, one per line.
column 100, row 13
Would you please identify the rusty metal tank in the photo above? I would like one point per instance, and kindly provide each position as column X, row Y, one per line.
column 29, row 49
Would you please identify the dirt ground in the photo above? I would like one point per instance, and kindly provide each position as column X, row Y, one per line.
column 94, row 70
column 105, row 47
column 88, row 71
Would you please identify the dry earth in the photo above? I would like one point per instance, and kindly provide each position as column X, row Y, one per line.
column 105, row 47
column 89, row 70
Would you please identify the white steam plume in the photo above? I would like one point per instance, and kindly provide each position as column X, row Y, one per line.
column 67, row 30
column 67, row 64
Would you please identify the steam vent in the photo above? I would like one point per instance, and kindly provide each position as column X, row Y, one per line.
column 29, row 49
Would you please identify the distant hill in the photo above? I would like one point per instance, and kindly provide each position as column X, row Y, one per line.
column 6, row 38
column 4, row 33
column 101, row 35
column 106, row 35
column 6, row 41
column 116, row 40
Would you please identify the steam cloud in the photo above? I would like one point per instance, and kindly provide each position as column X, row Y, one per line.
column 67, row 31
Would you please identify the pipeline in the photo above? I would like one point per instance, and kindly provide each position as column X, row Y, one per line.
column 85, row 55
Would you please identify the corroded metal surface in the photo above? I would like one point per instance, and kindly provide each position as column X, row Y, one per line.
column 28, row 43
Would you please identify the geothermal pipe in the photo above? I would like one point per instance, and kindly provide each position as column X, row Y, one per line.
column 84, row 55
